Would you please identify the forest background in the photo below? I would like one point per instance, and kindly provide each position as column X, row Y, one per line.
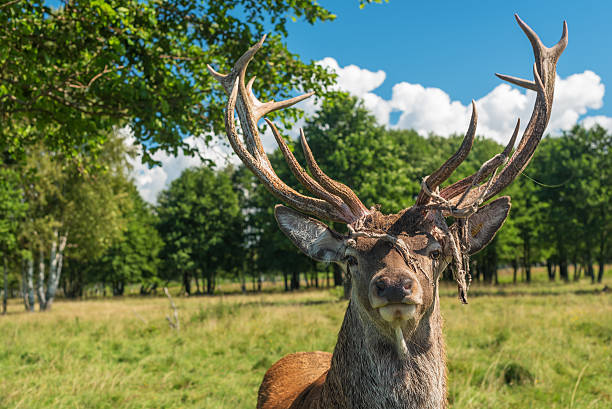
column 90, row 87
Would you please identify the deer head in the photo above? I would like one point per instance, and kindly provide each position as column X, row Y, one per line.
column 394, row 261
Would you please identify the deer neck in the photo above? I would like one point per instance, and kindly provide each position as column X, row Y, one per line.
column 367, row 372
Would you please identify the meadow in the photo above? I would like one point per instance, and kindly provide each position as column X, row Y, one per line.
column 544, row 345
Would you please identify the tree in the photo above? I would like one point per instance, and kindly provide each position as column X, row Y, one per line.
column 201, row 225
column 72, row 73
column 12, row 210
column 576, row 185
column 133, row 258
column 71, row 208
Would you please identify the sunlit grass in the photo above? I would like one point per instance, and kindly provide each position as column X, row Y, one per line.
column 539, row 346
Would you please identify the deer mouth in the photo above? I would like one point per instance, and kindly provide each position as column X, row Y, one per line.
column 397, row 313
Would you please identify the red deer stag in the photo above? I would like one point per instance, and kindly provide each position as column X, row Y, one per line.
column 390, row 350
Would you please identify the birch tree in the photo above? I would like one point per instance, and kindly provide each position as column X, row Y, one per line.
column 73, row 204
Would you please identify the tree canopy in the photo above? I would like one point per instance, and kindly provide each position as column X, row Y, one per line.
column 71, row 73
column 201, row 224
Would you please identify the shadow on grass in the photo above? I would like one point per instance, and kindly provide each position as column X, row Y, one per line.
column 280, row 303
column 500, row 292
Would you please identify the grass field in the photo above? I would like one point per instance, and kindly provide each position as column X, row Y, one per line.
column 538, row 346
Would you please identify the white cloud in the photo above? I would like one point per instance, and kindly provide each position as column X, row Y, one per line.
column 151, row 181
column 603, row 121
column 574, row 95
column 427, row 110
column 361, row 82
column 433, row 110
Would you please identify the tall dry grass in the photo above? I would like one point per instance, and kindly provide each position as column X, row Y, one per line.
column 539, row 346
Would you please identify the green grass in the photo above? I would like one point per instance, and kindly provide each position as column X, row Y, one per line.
column 539, row 346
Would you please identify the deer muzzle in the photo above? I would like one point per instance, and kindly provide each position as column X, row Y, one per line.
column 395, row 296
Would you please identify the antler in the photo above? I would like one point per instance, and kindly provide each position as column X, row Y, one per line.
column 544, row 72
column 436, row 178
column 335, row 201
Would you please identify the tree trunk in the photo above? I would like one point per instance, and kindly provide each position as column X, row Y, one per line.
column 602, row 259
column 286, row 279
column 600, row 273
column 550, row 268
column 514, row 270
column 187, row 283
column 242, row 279
column 210, row 288
column 55, row 268
column 293, row 283
column 528, row 273
column 5, row 296
column 563, row 273
column 24, row 289
column 42, row 301
column 577, row 271
column 118, row 288
column 197, row 282
column 295, row 280
column 527, row 257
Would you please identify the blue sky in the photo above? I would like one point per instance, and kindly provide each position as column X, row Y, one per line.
column 417, row 65
column 457, row 46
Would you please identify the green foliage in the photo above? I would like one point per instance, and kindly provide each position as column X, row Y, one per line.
column 200, row 222
column 134, row 257
column 84, row 204
column 12, row 208
column 363, row 3
column 574, row 182
column 123, row 353
column 71, row 73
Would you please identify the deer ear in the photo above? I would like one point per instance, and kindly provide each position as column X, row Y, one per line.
column 483, row 224
column 312, row 237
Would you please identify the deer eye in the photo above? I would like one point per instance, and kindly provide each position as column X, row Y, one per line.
column 435, row 254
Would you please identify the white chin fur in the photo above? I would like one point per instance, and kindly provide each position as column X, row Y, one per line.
column 397, row 313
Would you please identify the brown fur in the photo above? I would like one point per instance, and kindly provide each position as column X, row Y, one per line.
column 366, row 371
column 289, row 381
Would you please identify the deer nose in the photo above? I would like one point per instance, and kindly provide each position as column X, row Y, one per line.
column 392, row 291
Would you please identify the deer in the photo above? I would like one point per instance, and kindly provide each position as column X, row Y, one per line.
column 390, row 351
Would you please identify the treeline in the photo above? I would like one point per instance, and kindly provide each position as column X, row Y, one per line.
column 72, row 224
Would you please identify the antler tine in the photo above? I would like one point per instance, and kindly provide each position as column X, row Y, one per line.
column 302, row 176
column 250, row 109
column 558, row 48
column 544, row 72
column 436, row 178
column 485, row 171
column 535, row 41
column 260, row 165
column 337, row 188
column 251, row 153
